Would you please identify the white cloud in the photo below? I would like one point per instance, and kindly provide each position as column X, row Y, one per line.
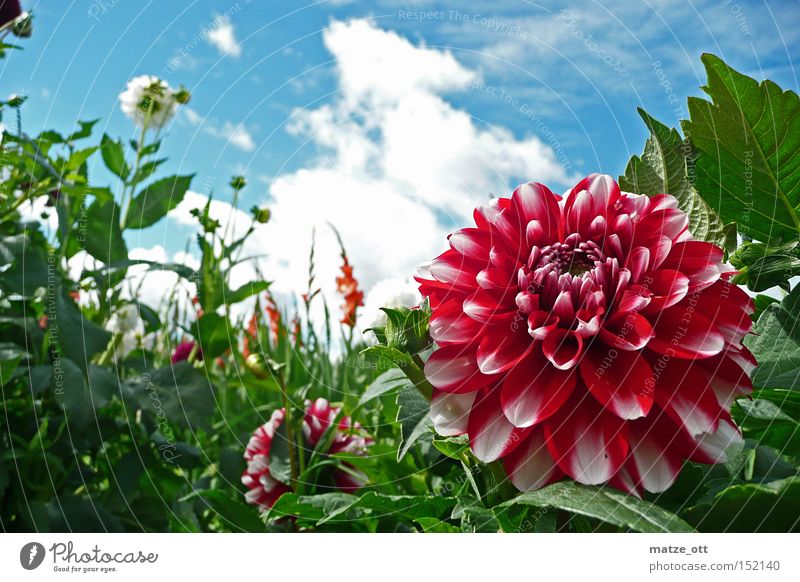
column 235, row 134
column 223, row 36
column 398, row 166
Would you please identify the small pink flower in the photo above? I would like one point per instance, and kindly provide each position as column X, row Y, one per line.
column 183, row 350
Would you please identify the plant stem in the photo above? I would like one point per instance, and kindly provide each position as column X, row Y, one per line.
column 287, row 419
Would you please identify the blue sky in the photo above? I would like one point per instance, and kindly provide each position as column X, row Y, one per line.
column 390, row 119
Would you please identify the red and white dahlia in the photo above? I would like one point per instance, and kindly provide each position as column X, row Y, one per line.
column 349, row 437
column 587, row 336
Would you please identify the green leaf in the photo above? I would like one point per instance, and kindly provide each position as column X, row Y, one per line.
column 662, row 169
column 84, row 131
column 75, row 336
column 748, row 139
column 311, row 507
column 10, row 357
column 245, row 291
column 175, row 395
column 453, row 447
column 751, row 507
column 79, row 157
column 156, row 200
column 279, row 464
column 103, row 237
column 766, row 422
column 410, row 507
column 215, row 335
column 607, row 505
column 72, row 393
column 414, row 418
column 390, row 380
column 114, row 157
column 235, row 515
column 776, row 344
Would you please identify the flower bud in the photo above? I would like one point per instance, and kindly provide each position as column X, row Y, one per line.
column 257, row 365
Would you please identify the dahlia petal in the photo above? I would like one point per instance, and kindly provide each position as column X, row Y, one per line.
column 473, row 243
column 667, row 286
column 626, row 331
column 726, row 317
column 698, row 260
column 534, row 390
column 683, row 392
column 540, row 324
column 668, row 222
column 491, row 436
column 486, row 307
column 450, row 412
column 728, row 380
column 587, row 443
column 622, row 382
column 500, row 349
column 535, row 201
column 659, row 251
column 450, row 325
column 655, row 458
column 496, row 279
column 712, row 447
column 455, row 269
column 530, row 465
column 563, row 348
column 682, row 332
column 455, row 369
column 638, row 262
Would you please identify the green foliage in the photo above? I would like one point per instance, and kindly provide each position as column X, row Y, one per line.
column 748, row 140
column 663, row 168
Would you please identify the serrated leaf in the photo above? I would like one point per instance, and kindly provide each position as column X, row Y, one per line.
column 156, row 200
column 607, row 505
column 748, row 140
column 414, row 418
column 775, row 344
column 114, row 157
column 103, row 237
column 390, row 380
column 751, row 507
column 662, row 169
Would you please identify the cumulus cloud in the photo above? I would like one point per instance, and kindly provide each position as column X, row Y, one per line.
column 235, row 134
column 397, row 166
column 223, row 37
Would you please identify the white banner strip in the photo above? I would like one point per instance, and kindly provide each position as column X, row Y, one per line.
column 388, row 557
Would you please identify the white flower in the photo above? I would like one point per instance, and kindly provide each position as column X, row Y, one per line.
column 125, row 319
column 388, row 293
column 150, row 100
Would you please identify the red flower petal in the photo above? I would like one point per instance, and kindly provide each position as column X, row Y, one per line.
column 621, row 381
column 589, row 444
column 534, row 390
column 455, row 369
column 491, row 436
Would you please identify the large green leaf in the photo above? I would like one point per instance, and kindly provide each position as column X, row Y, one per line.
column 75, row 336
column 103, row 236
column 748, row 138
column 662, row 169
column 152, row 204
column 114, row 157
column 72, row 393
column 776, row 344
column 414, row 418
column 392, row 379
column 605, row 504
column 236, row 516
column 751, row 507
column 175, row 395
